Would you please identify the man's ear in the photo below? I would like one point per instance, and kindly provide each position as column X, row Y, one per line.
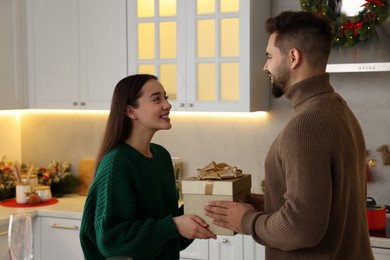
column 295, row 58
column 130, row 112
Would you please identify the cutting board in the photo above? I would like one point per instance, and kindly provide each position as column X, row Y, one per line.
column 86, row 174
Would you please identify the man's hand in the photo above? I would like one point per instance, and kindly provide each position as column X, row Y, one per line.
column 227, row 214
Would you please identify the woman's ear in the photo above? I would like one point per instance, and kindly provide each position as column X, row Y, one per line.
column 130, row 112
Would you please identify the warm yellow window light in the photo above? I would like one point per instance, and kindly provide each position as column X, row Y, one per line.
column 206, row 38
column 168, row 79
column 167, row 7
column 230, row 89
column 230, row 6
column 145, row 8
column 146, row 41
column 206, row 82
column 168, row 40
column 230, row 37
column 147, row 69
column 205, row 6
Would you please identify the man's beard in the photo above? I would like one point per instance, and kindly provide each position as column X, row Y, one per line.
column 280, row 80
column 277, row 90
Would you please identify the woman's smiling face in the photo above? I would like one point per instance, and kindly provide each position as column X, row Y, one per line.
column 153, row 107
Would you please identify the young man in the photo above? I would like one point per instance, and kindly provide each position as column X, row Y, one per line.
column 314, row 204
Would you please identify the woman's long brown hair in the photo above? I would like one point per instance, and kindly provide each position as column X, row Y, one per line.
column 119, row 126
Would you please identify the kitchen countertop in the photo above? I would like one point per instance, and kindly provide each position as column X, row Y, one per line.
column 380, row 242
column 71, row 206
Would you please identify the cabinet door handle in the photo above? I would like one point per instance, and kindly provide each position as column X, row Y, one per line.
column 75, row 103
column 4, row 233
column 225, row 241
column 181, row 104
column 190, row 105
column 63, row 226
column 82, row 104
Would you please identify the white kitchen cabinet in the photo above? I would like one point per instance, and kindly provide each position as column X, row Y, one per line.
column 103, row 51
column 4, row 242
column 381, row 253
column 227, row 248
column 58, row 239
column 207, row 54
column 12, row 69
column 199, row 249
column 224, row 248
column 77, row 52
column 253, row 250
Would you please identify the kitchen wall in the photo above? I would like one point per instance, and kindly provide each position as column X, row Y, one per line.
column 10, row 141
column 366, row 93
column 238, row 139
column 61, row 135
column 241, row 139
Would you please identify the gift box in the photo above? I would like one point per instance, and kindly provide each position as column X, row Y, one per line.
column 198, row 192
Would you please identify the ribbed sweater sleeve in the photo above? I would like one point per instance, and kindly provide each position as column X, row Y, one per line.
column 130, row 206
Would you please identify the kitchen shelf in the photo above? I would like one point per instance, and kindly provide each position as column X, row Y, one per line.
column 372, row 55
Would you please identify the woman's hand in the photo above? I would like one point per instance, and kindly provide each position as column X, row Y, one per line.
column 192, row 226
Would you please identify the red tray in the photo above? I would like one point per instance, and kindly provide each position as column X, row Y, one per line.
column 12, row 203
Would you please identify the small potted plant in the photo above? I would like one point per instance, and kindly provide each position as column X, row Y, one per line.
column 59, row 178
column 7, row 180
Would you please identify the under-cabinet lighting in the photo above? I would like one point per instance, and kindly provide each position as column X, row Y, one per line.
column 259, row 114
column 178, row 114
column 64, row 111
column 10, row 112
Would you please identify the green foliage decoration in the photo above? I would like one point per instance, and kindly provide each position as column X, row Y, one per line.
column 349, row 31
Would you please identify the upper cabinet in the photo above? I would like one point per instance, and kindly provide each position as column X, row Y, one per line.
column 12, row 69
column 208, row 54
column 77, row 52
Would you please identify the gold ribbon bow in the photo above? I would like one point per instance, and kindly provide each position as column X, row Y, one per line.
column 218, row 171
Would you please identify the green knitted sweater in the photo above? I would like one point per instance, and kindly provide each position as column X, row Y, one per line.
column 130, row 205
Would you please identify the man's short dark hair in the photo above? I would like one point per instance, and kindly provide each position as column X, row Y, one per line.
column 306, row 31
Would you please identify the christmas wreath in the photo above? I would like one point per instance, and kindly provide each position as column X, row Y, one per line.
column 348, row 32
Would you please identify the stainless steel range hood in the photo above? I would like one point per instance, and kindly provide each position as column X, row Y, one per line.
column 372, row 55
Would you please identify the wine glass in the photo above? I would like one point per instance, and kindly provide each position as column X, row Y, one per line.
column 20, row 236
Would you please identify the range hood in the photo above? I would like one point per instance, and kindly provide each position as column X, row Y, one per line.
column 372, row 55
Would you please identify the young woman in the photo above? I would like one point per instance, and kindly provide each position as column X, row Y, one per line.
column 132, row 206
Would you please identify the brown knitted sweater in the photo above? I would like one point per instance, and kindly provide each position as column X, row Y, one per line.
column 315, row 200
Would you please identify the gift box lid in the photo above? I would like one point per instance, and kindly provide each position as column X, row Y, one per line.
column 232, row 186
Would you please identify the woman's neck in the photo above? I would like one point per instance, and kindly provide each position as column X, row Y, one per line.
column 142, row 145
